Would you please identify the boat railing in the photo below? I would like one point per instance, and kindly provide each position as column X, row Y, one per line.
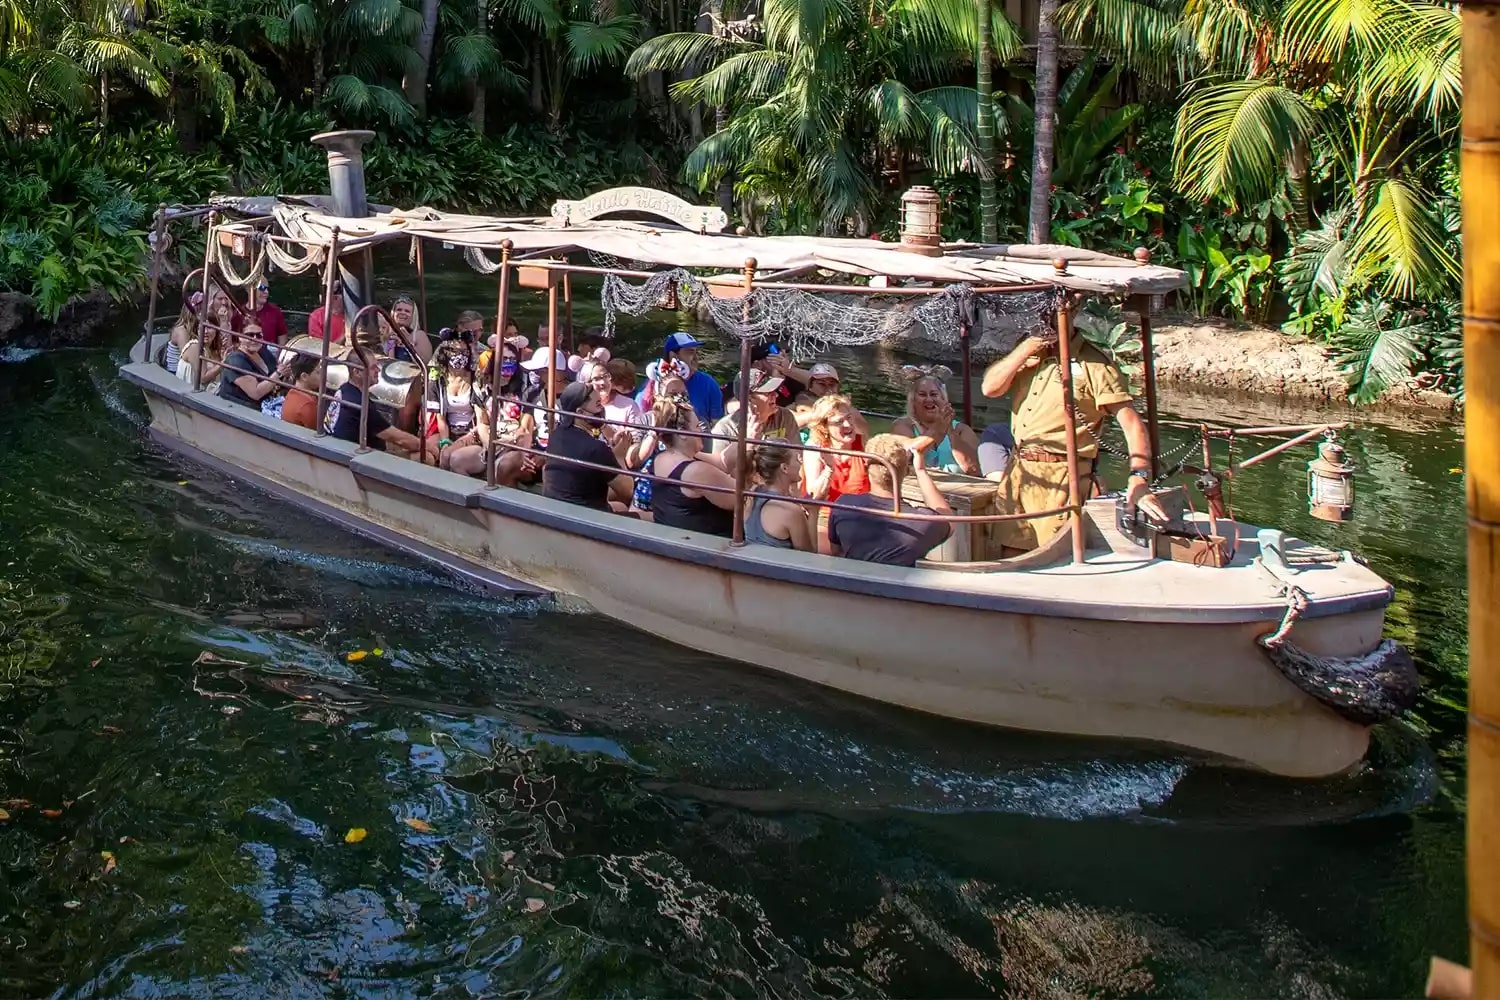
column 895, row 512
column 411, row 350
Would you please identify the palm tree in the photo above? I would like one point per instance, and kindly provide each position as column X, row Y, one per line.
column 574, row 37
column 989, row 210
column 1366, row 90
column 1039, row 218
column 821, row 107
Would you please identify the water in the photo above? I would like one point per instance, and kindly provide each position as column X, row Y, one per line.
column 555, row 804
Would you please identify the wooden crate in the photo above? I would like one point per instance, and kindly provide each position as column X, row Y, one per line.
column 966, row 495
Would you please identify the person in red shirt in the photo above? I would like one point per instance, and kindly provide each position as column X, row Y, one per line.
column 268, row 314
column 301, row 404
column 318, row 320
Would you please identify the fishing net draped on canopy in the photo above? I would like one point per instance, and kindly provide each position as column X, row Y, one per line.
column 807, row 323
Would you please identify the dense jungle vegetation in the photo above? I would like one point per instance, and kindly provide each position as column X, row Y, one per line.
column 1298, row 158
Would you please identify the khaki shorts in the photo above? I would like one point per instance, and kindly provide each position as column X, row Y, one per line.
column 1030, row 486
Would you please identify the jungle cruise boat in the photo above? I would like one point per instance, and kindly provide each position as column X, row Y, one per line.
column 1227, row 639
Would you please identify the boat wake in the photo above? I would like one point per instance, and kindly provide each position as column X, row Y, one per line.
column 18, row 355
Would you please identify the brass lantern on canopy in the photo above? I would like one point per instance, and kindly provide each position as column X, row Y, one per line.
column 1330, row 484
column 922, row 221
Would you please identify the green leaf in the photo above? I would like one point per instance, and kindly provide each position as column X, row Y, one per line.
column 1232, row 138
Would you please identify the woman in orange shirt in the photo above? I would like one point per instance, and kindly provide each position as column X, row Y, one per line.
column 301, row 405
column 836, row 423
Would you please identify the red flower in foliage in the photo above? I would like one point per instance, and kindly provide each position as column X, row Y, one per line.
column 1119, row 150
column 1146, row 172
column 1197, row 227
column 1053, row 189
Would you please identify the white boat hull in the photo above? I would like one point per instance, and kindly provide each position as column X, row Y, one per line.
column 1092, row 650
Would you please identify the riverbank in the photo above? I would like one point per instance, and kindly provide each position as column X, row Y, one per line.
column 1266, row 362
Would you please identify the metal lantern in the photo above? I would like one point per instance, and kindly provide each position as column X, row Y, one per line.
column 1330, row 484
column 921, row 221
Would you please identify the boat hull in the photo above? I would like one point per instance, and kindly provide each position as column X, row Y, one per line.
column 916, row 638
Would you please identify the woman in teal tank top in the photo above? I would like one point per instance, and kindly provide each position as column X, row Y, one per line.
column 929, row 412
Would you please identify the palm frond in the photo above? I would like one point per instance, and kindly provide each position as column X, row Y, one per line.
column 682, row 52
column 1423, row 68
column 545, row 16
column 898, row 115
column 953, row 136
column 748, row 76
column 1318, row 262
column 1377, row 348
column 353, row 96
column 303, row 23
column 1324, row 31
column 1232, row 138
column 600, row 43
column 1401, row 243
column 1146, row 36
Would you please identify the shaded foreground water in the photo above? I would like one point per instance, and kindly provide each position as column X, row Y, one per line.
column 554, row 804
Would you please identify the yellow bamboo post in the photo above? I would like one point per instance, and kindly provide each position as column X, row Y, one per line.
column 204, row 321
column 1480, row 167
column 330, row 279
column 551, row 351
column 158, row 243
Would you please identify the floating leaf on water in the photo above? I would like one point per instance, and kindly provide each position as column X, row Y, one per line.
column 419, row 825
column 18, row 803
column 182, row 482
column 52, row 813
column 109, row 861
column 356, row 656
column 72, row 904
column 533, row 904
column 1456, row 471
column 4, row 815
column 377, row 651
column 95, row 663
column 505, row 857
column 229, row 709
column 110, row 729
column 238, row 949
column 355, row 835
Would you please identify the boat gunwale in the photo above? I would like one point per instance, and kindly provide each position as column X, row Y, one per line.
column 922, row 585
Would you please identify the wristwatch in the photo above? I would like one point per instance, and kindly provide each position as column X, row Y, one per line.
column 1143, row 474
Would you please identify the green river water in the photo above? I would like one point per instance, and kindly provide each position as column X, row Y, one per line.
column 555, row 804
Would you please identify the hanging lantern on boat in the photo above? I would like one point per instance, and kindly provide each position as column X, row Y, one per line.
column 1330, row 483
column 921, row 221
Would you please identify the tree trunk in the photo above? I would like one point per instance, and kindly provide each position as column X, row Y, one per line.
column 537, row 97
column 1299, row 186
column 726, row 185
column 320, row 76
column 1039, row 224
column 989, row 230
column 104, row 99
column 477, row 111
column 414, row 85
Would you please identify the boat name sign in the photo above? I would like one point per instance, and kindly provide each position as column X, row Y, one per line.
column 699, row 218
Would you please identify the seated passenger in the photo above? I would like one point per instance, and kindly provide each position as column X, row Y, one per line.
column 248, row 370
column 301, row 404
column 467, row 329
column 535, row 392
column 342, row 418
column 319, row 320
column 768, row 421
column 215, row 340
column 576, row 437
column 183, row 331
column 705, row 393
column 267, row 314
column 404, row 313
column 769, row 359
column 676, row 503
column 929, row 414
column 855, row 533
column 836, row 423
column 782, row 524
column 451, row 409
column 514, row 426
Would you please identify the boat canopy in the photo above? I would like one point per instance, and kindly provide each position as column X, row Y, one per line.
column 312, row 219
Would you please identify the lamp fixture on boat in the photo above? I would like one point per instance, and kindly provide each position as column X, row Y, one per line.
column 921, row 221
column 1330, row 483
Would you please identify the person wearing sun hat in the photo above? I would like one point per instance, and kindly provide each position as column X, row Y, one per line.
column 768, row 420
column 706, row 395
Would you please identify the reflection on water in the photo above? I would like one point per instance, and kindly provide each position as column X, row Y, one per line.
column 553, row 803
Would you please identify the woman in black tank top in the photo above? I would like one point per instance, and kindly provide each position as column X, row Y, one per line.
column 711, row 512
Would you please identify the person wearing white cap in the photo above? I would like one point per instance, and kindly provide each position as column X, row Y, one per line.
column 535, row 392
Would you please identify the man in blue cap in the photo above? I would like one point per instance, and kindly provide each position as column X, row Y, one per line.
column 703, row 392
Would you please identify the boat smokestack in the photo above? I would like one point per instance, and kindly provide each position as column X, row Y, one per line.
column 346, row 183
column 346, row 170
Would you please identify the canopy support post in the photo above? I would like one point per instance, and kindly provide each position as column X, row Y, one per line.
column 567, row 280
column 158, row 242
column 502, row 315
column 330, row 278
column 208, row 263
column 1148, row 368
column 742, row 418
column 1070, row 422
column 968, row 369
column 551, row 352
column 422, row 316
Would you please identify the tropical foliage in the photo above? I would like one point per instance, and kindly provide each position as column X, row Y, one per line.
column 1295, row 157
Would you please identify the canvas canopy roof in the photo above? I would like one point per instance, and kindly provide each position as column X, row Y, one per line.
column 310, row 219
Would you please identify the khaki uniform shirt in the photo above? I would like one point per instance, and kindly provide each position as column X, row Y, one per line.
column 1037, row 417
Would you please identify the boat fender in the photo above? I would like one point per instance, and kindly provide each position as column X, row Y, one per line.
column 1366, row 689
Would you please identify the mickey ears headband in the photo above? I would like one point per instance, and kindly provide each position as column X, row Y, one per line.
column 911, row 374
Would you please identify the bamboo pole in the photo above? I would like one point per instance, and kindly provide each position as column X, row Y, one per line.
column 1148, row 370
column 1070, row 423
column 551, row 351
column 424, row 321
column 968, row 369
column 1480, row 167
column 742, row 419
